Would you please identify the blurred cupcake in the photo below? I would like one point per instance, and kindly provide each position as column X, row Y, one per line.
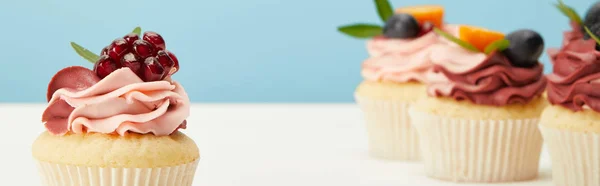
column 117, row 125
column 394, row 75
column 480, row 123
column 571, row 125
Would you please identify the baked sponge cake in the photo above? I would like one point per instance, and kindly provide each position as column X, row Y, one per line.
column 479, row 123
column 118, row 123
column 394, row 76
column 571, row 125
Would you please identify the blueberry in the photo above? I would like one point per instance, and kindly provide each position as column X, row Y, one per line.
column 401, row 26
column 525, row 48
column 592, row 16
column 595, row 28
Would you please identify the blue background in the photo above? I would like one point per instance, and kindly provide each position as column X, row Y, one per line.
column 234, row 50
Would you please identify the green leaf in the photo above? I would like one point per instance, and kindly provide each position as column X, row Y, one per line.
column 137, row 30
column 85, row 53
column 569, row 12
column 384, row 9
column 361, row 30
column 594, row 36
column 459, row 42
column 498, row 45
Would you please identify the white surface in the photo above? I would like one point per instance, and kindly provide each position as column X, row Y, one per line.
column 265, row 145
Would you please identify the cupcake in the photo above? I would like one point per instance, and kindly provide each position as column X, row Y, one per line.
column 394, row 74
column 118, row 123
column 570, row 126
column 480, row 123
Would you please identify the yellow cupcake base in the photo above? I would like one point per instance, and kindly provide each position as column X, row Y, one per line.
column 449, row 107
column 407, row 92
column 102, row 150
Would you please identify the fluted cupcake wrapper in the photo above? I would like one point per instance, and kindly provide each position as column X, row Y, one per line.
column 390, row 133
column 463, row 150
column 68, row 175
column 575, row 156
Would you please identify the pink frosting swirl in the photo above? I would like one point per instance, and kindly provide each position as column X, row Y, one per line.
column 402, row 60
column 483, row 79
column 575, row 79
column 120, row 103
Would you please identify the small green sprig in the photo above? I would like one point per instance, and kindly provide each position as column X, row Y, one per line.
column 498, row 45
column 384, row 9
column 369, row 30
column 574, row 16
column 569, row 12
column 90, row 56
column 361, row 30
column 456, row 40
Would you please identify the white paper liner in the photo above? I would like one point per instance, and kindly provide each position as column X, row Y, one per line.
column 390, row 133
column 463, row 150
column 67, row 175
column 575, row 156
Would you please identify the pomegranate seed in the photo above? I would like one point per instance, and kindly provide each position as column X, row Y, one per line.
column 165, row 60
column 425, row 28
column 130, row 38
column 153, row 71
column 105, row 50
column 143, row 48
column 155, row 39
column 132, row 62
column 104, row 66
column 118, row 48
column 176, row 66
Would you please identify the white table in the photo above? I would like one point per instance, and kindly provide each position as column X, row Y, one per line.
column 253, row 144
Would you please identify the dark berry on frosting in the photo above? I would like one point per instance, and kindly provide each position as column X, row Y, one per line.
column 104, row 66
column 426, row 28
column 118, row 48
column 133, row 62
column 595, row 28
column 153, row 70
column 593, row 15
column 130, row 38
column 176, row 66
column 525, row 48
column 155, row 39
column 146, row 57
column 401, row 26
column 105, row 50
column 165, row 61
column 143, row 48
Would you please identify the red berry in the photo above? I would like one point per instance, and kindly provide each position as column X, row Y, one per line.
column 426, row 28
column 165, row 60
column 105, row 50
column 153, row 71
column 117, row 49
column 176, row 66
column 143, row 48
column 155, row 39
column 104, row 66
column 132, row 62
column 130, row 38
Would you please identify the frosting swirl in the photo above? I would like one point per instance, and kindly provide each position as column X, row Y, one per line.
column 401, row 60
column 119, row 103
column 483, row 79
column 575, row 78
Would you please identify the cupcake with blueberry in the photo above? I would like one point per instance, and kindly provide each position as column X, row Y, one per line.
column 479, row 124
column 394, row 74
column 118, row 123
column 570, row 126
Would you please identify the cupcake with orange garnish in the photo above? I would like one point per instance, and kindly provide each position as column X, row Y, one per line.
column 571, row 125
column 479, row 124
column 394, row 75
